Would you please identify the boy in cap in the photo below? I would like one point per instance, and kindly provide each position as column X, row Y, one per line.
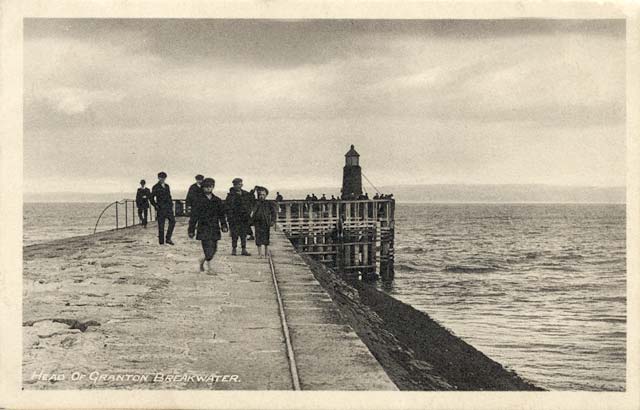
column 239, row 203
column 263, row 216
column 207, row 218
column 142, row 202
column 163, row 204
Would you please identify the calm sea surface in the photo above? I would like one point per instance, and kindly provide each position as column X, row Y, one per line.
column 46, row 221
column 539, row 288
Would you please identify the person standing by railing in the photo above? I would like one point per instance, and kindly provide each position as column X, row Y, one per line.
column 142, row 202
column 163, row 204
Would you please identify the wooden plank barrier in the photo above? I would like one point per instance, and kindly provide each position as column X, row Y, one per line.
column 353, row 236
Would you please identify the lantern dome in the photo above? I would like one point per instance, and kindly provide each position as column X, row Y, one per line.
column 352, row 152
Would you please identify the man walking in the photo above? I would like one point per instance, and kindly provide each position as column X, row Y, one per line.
column 163, row 204
column 142, row 202
column 239, row 203
column 194, row 192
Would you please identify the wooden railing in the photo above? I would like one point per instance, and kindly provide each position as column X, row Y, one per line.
column 180, row 207
column 354, row 237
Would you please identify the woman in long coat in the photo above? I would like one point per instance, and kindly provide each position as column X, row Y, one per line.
column 263, row 216
column 207, row 218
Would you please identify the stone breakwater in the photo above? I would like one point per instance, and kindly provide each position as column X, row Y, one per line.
column 416, row 351
column 117, row 311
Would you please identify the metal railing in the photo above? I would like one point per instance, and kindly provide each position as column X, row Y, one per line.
column 129, row 213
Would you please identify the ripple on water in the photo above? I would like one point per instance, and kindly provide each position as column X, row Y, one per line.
column 539, row 288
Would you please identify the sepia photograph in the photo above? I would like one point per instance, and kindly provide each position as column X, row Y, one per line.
column 376, row 205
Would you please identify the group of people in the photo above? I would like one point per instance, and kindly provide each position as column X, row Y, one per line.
column 313, row 197
column 210, row 215
column 365, row 196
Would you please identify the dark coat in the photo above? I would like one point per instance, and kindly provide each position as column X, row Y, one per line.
column 263, row 213
column 239, row 205
column 142, row 198
column 194, row 192
column 207, row 217
column 161, row 197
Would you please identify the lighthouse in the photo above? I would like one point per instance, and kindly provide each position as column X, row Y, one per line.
column 352, row 175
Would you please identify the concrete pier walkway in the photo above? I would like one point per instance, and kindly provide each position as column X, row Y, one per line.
column 116, row 310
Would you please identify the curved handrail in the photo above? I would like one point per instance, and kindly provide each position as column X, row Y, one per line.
column 123, row 201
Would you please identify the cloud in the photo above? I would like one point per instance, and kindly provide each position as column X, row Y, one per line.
column 289, row 43
column 73, row 101
column 573, row 80
column 201, row 70
column 442, row 100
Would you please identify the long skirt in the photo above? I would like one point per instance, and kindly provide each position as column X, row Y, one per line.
column 262, row 234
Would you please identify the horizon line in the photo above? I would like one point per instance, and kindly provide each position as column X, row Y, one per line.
column 410, row 202
column 338, row 187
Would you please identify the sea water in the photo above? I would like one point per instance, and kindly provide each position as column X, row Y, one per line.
column 539, row 288
column 43, row 222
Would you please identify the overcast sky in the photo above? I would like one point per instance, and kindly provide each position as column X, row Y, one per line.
column 110, row 101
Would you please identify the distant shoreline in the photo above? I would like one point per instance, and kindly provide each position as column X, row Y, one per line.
column 509, row 203
column 434, row 193
column 397, row 202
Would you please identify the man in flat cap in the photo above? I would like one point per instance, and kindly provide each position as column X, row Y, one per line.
column 194, row 192
column 142, row 202
column 239, row 203
column 163, row 204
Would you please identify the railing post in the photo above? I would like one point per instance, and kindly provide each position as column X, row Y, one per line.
column 287, row 216
column 126, row 214
column 117, row 215
column 375, row 210
column 372, row 249
column 386, row 241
